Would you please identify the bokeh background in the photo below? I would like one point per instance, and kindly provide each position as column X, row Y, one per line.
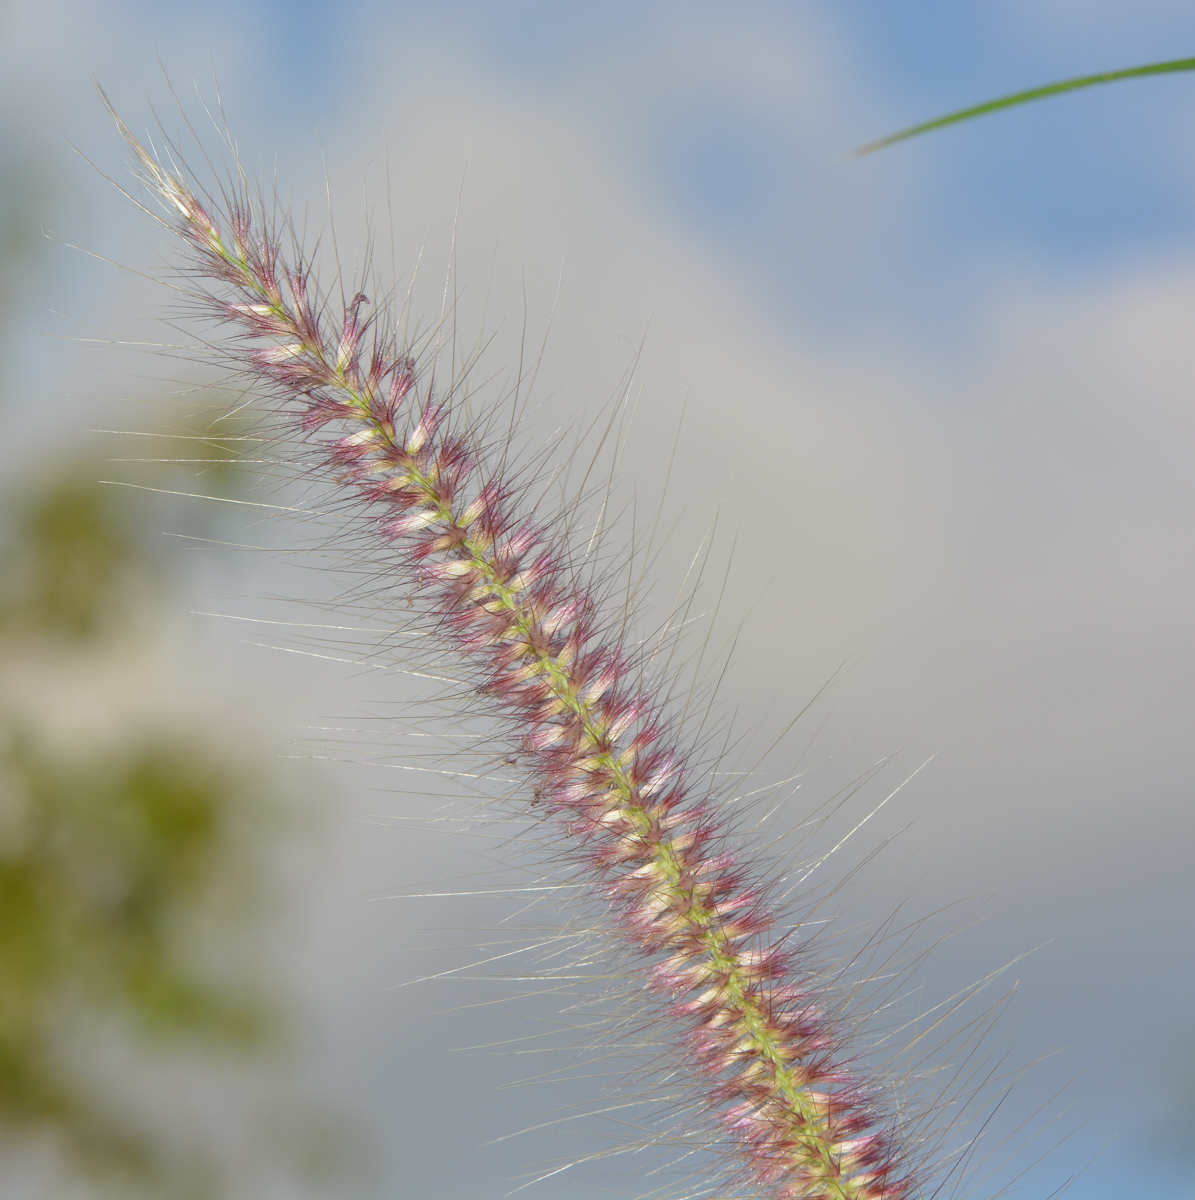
column 941, row 400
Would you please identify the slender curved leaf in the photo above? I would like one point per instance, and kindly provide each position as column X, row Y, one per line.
column 1173, row 67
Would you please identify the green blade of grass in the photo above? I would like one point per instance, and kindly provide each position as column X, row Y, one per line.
column 1038, row 93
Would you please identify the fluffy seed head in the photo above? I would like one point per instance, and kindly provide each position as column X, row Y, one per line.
column 612, row 778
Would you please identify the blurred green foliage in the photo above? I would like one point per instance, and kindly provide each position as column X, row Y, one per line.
column 73, row 565
column 21, row 186
column 110, row 860
column 135, row 862
column 102, row 863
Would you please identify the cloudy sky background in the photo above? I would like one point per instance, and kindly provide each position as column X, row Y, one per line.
column 942, row 396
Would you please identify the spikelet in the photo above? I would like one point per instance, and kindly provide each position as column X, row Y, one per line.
column 607, row 764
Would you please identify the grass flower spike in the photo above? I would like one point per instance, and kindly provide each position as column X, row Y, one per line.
column 609, row 766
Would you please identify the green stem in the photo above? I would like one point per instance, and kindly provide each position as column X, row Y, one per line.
column 1173, row 67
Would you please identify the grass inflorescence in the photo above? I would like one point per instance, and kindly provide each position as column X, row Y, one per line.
column 610, row 774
